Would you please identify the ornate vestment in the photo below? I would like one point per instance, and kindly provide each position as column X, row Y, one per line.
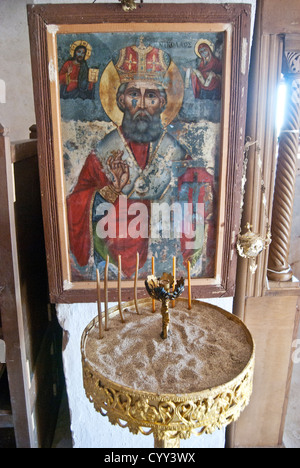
column 159, row 172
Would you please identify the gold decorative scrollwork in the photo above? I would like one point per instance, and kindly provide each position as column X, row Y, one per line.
column 194, row 413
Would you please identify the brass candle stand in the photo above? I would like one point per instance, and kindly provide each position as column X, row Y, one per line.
column 169, row 417
column 160, row 289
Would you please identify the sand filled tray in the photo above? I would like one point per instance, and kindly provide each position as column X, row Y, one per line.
column 195, row 381
column 205, row 348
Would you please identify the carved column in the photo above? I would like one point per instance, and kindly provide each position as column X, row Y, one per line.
column 278, row 266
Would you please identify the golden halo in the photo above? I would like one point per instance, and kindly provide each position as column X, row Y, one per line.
column 204, row 41
column 84, row 44
column 110, row 82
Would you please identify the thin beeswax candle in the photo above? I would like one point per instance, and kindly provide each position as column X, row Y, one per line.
column 153, row 273
column 135, row 282
column 120, row 288
column 106, row 291
column 189, row 286
column 174, row 275
column 99, row 304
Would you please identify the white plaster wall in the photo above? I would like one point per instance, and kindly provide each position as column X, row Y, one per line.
column 16, row 94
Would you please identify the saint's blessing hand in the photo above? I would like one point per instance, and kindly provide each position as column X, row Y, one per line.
column 119, row 170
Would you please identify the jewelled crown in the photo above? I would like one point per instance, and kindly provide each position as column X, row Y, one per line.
column 142, row 63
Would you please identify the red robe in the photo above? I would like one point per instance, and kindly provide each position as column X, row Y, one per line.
column 202, row 177
column 79, row 209
column 79, row 206
column 71, row 79
column 213, row 65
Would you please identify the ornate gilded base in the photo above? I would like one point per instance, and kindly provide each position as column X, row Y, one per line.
column 169, row 417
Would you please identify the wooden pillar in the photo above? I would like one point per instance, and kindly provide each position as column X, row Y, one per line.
column 278, row 266
column 264, row 77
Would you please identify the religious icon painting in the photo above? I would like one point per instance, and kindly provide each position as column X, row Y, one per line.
column 145, row 131
column 76, row 79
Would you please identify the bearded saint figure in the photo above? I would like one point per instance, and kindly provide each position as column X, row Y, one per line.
column 135, row 163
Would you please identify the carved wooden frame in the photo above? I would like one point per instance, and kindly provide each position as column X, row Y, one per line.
column 44, row 20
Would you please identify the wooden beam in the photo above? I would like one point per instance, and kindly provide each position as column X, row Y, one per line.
column 23, row 149
column 280, row 17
